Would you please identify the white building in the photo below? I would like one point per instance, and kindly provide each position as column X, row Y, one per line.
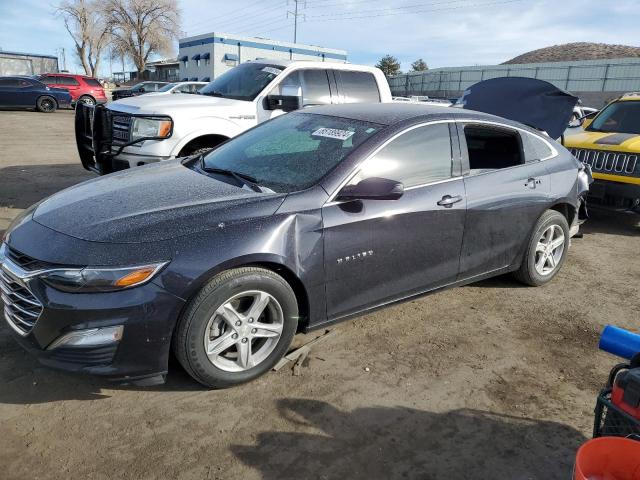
column 205, row 57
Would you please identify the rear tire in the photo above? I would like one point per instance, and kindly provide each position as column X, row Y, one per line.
column 237, row 327
column 46, row 104
column 546, row 250
column 87, row 100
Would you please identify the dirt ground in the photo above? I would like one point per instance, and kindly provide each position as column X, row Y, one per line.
column 493, row 380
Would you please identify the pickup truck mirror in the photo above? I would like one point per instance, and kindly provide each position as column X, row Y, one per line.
column 373, row 188
column 289, row 100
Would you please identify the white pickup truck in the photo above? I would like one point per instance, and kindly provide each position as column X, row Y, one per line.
column 145, row 129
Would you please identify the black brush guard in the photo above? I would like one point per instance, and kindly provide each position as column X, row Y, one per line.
column 94, row 137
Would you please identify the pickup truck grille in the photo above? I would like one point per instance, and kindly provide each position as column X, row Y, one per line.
column 21, row 307
column 121, row 128
column 617, row 163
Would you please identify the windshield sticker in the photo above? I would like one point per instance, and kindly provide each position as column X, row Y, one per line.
column 271, row 70
column 333, row 133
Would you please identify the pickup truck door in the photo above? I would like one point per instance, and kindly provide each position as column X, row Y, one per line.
column 377, row 251
column 314, row 84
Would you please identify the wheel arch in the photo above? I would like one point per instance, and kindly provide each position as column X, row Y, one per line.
column 567, row 209
column 42, row 95
column 201, row 141
column 276, row 264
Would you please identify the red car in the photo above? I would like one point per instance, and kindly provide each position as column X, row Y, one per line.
column 82, row 88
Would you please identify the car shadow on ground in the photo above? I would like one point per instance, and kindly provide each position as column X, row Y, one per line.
column 322, row 441
column 22, row 186
column 612, row 223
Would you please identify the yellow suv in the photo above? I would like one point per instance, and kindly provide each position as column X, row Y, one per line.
column 610, row 144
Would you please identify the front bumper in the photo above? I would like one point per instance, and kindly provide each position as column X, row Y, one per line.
column 614, row 195
column 147, row 313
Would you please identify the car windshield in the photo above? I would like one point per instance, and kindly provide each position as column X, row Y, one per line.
column 618, row 117
column 292, row 152
column 243, row 82
column 167, row 87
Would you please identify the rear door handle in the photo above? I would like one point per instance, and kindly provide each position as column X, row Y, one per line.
column 532, row 182
column 447, row 201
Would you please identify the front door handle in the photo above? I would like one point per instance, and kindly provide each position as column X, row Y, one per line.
column 447, row 201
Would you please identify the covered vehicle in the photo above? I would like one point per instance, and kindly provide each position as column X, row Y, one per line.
column 29, row 93
column 610, row 144
column 306, row 220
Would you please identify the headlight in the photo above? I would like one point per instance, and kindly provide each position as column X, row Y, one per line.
column 151, row 127
column 85, row 280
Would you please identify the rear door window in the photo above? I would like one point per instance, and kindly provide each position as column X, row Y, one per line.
column 492, row 148
column 358, row 87
column 48, row 79
column 92, row 82
column 68, row 81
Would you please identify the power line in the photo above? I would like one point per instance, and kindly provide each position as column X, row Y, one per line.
column 342, row 17
column 241, row 17
column 295, row 16
column 397, row 10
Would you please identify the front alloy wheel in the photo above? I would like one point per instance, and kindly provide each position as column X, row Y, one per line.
column 237, row 327
column 244, row 331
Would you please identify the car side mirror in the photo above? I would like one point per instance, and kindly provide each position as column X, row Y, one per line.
column 289, row 100
column 373, row 188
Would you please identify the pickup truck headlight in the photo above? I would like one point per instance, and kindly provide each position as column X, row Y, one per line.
column 151, row 128
column 85, row 280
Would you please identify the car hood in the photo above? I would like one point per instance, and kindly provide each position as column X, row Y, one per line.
column 151, row 203
column 171, row 104
column 626, row 142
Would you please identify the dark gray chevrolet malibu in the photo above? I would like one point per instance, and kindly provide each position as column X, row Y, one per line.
column 303, row 221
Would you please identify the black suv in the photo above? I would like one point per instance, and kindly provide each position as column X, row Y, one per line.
column 137, row 89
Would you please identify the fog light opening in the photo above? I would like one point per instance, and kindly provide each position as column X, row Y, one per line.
column 93, row 337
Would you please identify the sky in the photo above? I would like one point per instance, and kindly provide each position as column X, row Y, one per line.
column 442, row 32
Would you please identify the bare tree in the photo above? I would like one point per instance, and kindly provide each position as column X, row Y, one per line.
column 86, row 24
column 143, row 27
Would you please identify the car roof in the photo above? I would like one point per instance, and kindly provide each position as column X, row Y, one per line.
column 393, row 113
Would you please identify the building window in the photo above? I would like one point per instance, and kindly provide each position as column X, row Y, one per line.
column 230, row 59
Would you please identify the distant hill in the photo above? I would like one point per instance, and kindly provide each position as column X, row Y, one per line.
column 576, row 51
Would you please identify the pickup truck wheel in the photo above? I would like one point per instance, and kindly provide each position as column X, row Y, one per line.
column 546, row 251
column 87, row 100
column 46, row 104
column 237, row 327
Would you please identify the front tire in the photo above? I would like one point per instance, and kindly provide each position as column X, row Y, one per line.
column 46, row 104
column 237, row 327
column 546, row 251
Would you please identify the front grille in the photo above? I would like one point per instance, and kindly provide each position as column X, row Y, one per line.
column 617, row 163
column 21, row 307
column 25, row 261
column 121, row 128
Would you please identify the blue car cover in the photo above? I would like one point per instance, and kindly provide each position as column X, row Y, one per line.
column 533, row 102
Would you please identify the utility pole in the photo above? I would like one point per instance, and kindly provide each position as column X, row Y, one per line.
column 295, row 16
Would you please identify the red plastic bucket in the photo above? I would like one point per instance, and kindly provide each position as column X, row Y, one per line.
column 608, row 458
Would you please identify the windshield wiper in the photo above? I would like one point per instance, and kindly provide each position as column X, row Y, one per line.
column 241, row 178
column 212, row 94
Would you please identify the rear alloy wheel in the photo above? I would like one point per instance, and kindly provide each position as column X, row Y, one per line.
column 237, row 328
column 546, row 250
column 87, row 100
column 46, row 104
